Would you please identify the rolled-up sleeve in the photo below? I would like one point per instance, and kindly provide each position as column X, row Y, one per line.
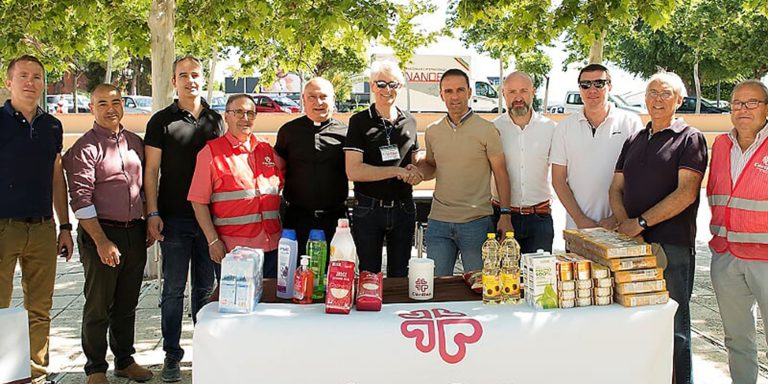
column 80, row 165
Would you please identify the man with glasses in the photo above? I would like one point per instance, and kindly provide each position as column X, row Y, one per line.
column 31, row 182
column 380, row 153
column 316, row 185
column 655, row 194
column 738, row 197
column 104, row 174
column 235, row 190
column 585, row 147
column 526, row 137
column 463, row 151
column 174, row 137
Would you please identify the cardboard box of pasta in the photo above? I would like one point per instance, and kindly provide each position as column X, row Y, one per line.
column 604, row 243
column 641, row 287
column 641, row 299
column 638, row 275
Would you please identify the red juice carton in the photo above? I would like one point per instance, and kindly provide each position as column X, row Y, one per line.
column 339, row 291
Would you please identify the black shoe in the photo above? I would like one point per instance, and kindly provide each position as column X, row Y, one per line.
column 171, row 372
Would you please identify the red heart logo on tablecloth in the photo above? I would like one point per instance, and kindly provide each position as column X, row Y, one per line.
column 424, row 324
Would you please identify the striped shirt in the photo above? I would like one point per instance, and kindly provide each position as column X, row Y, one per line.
column 739, row 159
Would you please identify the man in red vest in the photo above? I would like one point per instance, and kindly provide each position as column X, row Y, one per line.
column 738, row 196
column 235, row 188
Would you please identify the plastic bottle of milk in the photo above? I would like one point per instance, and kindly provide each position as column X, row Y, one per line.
column 342, row 244
column 287, row 254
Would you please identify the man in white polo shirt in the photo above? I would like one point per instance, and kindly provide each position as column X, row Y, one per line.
column 526, row 137
column 585, row 148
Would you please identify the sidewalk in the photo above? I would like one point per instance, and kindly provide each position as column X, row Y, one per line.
column 67, row 360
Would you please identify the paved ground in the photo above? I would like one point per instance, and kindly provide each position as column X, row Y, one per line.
column 710, row 359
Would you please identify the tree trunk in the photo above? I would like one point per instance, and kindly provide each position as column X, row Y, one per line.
column 697, row 81
column 161, row 24
column 501, row 88
column 212, row 71
column 74, row 92
column 546, row 94
column 110, row 54
column 596, row 50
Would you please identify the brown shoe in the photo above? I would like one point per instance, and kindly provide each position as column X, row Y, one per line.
column 97, row 378
column 134, row 372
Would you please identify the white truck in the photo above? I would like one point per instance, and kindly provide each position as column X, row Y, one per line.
column 423, row 81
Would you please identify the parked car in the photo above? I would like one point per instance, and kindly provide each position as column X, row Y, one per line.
column 573, row 103
column 274, row 103
column 134, row 103
column 557, row 108
column 689, row 106
column 52, row 101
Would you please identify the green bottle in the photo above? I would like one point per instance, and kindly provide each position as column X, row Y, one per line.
column 317, row 249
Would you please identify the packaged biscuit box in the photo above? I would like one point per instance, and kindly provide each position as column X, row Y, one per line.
column 641, row 299
column 604, row 243
column 638, row 275
column 641, row 287
column 624, row 263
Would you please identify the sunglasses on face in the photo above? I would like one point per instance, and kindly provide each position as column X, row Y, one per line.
column 599, row 84
column 381, row 84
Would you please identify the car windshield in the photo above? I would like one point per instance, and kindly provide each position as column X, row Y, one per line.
column 218, row 100
column 143, row 102
column 285, row 102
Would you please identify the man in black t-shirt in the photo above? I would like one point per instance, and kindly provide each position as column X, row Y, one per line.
column 316, row 186
column 173, row 138
column 380, row 155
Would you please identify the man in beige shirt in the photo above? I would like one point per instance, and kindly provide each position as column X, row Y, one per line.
column 463, row 149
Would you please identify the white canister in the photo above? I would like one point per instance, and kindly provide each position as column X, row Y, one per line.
column 421, row 278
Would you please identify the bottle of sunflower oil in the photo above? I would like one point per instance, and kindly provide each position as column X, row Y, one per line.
column 491, row 282
column 510, row 269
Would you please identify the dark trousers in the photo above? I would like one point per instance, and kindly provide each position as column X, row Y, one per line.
column 532, row 232
column 111, row 296
column 681, row 262
column 374, row 223
column 184, row 247
column 303, row 221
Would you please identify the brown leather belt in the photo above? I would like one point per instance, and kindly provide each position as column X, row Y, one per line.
column 543, row 208
column 120, row 224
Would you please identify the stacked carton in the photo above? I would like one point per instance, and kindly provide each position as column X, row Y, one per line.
column 592, row 283
column 540, row 280
column 637, row 279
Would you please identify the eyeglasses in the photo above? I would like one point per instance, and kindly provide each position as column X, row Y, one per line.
column 666, row 95
column 599, row 84
column 381, row 84
column 239, row 113
column 751, row 104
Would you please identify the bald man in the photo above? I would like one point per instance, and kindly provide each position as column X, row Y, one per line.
column 104, row 172
column 526, row 137
column 311, row 146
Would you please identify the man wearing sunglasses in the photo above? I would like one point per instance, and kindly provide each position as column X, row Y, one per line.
column 235, row 190
column 380, row 155
column 463, row 151
column 174, row 137
column 738, row 197
column 585, row 148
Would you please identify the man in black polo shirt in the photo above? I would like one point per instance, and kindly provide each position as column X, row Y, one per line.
column 380, row 152
column 655, row 193
column 316, row 187
column 31, row 182
column 174, row 137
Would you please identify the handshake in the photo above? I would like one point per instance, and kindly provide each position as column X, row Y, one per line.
column 410, row 174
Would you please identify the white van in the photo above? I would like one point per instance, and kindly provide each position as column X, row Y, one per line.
column 573, row 103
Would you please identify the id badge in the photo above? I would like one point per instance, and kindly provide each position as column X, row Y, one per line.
column 389, row 152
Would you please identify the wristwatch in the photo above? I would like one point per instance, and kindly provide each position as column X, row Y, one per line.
column 641, row 221
column 505, row 211
column 65, row 227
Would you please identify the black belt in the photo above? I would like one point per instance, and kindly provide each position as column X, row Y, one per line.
column 372, row 202
column 31, row 220
column 318, row 213
column 120, row 224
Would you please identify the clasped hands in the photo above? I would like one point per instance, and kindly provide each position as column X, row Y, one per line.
column 410, row 174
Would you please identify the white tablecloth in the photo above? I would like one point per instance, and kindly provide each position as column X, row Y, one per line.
column 14, row 345
column 453, row 342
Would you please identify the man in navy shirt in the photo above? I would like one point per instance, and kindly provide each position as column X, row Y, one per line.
column 31, row 185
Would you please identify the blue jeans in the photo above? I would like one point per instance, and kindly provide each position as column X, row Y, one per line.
column 532, row 232
column 372, row 223
column 681, row 262
column 184, row 244
column 444, row 241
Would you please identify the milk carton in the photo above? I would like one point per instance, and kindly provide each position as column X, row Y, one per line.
column 241, row 276
column 541, row 280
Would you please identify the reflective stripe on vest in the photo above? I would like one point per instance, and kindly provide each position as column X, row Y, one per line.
column 246, row 219
column 748, row 204
column 234, row 195
column 718, row 200
column 718, row 230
